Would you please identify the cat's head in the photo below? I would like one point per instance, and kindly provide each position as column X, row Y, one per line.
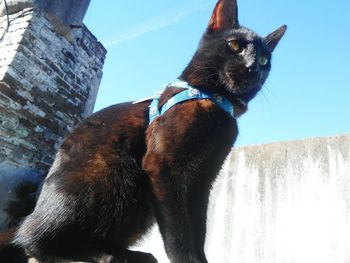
column 231, row 59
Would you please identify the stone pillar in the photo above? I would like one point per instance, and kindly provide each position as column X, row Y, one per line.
column 50, row 70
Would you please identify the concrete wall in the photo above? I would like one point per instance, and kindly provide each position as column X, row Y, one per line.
column 285, row 202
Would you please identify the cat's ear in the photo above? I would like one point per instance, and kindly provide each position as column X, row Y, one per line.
column 225, row 16
column 273, row 38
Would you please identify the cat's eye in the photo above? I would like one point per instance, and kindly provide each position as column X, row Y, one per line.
column 235, row 46
column 263, row 60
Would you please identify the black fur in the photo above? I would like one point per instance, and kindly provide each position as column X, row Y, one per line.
column 115, row 174
column 10, row 253
column 22, row 203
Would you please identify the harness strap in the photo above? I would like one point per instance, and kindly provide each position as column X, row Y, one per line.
column 189, row 94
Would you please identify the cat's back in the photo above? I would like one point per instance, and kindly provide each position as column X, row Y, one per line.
column 121, row 124
column 101, row 141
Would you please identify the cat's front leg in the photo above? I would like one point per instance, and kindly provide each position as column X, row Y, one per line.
column 185, row 150
column 198, row 205
column 171, row 205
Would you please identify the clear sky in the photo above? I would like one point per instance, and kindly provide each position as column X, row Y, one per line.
column 307, row 93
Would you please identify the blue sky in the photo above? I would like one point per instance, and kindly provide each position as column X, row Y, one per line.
column 308, row 90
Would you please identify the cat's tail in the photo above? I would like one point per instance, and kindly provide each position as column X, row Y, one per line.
column 17, row 208
column 9, row 252
column 21, row 203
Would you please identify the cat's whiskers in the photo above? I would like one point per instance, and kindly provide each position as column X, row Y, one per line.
column 227, row 82
column 263, row 96
column 211, row 75
column 266, row 88
column 202, row 69
column 200, row 74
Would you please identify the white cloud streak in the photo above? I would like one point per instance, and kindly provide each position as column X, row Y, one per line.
column 154, row 24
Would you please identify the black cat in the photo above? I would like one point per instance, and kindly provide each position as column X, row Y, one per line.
column 116, row 172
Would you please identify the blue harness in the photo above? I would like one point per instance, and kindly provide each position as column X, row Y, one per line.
column 189, row 93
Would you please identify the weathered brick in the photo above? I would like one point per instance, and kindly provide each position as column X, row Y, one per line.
column 11, row 93
column 45, row 80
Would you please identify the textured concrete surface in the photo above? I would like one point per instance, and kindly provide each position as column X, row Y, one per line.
column 285, row 202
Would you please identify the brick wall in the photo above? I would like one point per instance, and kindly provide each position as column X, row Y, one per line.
column 48, row 83
column 49, row 78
